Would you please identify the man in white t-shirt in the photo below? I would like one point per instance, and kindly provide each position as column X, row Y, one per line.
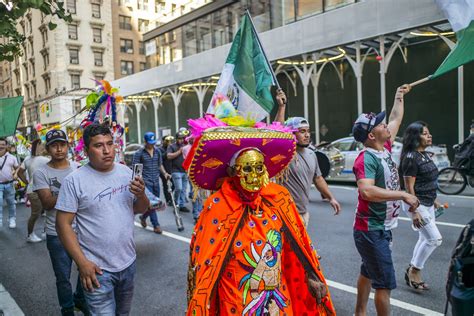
column 25, row 173
column 103, row 198
column 8, row 167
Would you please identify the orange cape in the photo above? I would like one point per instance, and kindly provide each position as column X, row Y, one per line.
column 222, row 216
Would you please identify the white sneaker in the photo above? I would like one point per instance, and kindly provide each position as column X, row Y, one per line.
column 33, row 238
column 12, row 223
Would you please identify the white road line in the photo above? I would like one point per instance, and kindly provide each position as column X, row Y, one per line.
column 394, row 302
column 437, row 223
column 336, row 285
column 343, row 188
column 8, row 306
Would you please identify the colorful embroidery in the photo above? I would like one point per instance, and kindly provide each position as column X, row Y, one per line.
column 265, row 268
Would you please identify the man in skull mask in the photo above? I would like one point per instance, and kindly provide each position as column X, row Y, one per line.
column 250, row 253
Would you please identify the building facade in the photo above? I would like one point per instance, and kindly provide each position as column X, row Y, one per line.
column 58, row 66
column 133, row 18
column 334, row 59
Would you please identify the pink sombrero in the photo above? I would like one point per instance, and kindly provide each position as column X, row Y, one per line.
column 213, row 150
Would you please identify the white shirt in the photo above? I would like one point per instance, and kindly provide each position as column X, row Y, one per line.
column 11, row 163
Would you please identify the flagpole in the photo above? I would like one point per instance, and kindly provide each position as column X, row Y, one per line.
column 261, row 48
column 419, row 81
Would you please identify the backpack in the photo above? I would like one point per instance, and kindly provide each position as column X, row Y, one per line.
column 460, row 283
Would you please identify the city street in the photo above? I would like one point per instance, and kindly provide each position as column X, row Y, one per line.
column 160, row 288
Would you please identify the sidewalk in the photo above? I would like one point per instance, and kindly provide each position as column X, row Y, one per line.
column 8, row 306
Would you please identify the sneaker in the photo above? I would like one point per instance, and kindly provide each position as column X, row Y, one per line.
column 142, row 221
column 158, row 230
column 184, row 209
column 12, row 223
column 33, row 238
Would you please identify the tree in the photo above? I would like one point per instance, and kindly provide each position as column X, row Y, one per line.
column 11, row 11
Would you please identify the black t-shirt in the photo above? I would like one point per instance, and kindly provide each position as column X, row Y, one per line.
column 177, row 163
column 166, row 161
column 421, row 166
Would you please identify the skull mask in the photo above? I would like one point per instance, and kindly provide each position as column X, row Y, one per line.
column 250, row 168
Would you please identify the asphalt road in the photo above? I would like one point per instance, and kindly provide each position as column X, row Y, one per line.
column 160, row 288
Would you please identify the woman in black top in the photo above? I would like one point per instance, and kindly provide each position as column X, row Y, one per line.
column 420, row 176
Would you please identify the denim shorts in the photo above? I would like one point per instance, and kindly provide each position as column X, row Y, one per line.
column 375, row 249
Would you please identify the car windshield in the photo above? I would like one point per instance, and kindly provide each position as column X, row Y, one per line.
column 343, row 145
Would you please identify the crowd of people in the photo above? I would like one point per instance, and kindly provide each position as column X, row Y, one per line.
column 252, row 232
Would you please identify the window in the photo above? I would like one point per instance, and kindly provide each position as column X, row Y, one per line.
column 25, row 66
column 32, row 66
column 45, row 60
column 95, row 10
column 126, row 67
column 33, row 90
column 125, row 22
column 32, row 50
column 308, row 7
column 47, row 84
column 74, row 56
column 159, row 6
column 27, row 94
column 71, row 6
column 99, row 76
column 344, row 145
column 72, row 31
column 143, row 25
column 141, row 48
column 77, row 106
column 75, row 81
column 126, row 46
column 142, row 5
column 44, row 36
column 98, row 60
column 142, row 66
column 97, row 34
column 31, row 24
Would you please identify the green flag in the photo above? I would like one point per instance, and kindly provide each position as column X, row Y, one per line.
column 460, row 14
column 10, row 109
column 247, row 76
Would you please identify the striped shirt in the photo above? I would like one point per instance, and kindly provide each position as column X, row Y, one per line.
column 379, row 166
column 151, row 165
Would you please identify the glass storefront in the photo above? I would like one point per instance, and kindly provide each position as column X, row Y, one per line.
column 219, row 27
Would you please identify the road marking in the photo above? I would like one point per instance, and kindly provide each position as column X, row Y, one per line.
column 336, row 285
column 343, row 188
column 8, row 305
column 394, row 302
column 437, row 223
column 457, row 196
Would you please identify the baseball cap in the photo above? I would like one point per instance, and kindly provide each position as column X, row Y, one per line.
column 150, row 138
column 296, row 122
column 55, row 135
column 183, row 132
column 365, row 123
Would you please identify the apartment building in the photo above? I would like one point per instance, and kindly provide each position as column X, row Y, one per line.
column 57, row 65
column 133, row 18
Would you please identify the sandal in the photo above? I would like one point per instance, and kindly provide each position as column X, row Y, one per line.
column 415, row 285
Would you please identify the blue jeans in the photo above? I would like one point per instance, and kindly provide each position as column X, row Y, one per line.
column 180, row 181
column 62, row 270
column 197, row 203
column 7, row 192
column 153, row 187
column 114, row 296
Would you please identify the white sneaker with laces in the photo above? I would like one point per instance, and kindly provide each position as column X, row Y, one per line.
column 33, row 238
column 12, row 223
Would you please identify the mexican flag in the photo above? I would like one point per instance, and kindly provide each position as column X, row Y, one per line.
column 247, row 76
column 460, row 14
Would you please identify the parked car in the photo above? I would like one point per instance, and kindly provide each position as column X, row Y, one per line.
column 330, row 160
column 350, row 148
column 128, row 153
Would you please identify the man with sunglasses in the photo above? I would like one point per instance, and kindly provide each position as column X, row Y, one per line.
column 378, row 204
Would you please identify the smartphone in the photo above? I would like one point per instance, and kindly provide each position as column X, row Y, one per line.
column 137, row 170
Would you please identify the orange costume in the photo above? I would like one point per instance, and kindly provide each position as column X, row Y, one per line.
column 228, row 232
column 250, row 252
